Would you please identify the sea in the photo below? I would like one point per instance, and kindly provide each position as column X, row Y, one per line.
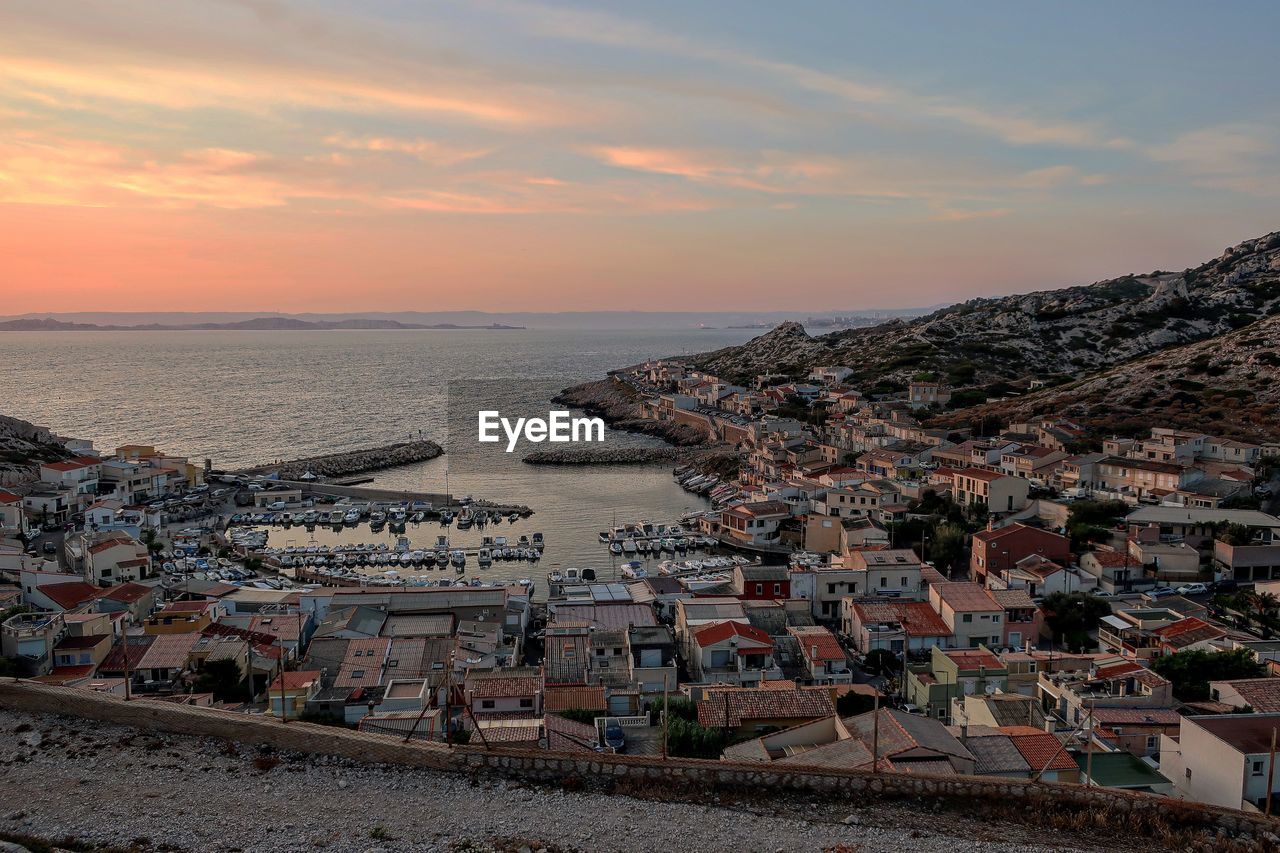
column 243, row 398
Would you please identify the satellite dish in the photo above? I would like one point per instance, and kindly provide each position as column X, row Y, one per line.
column 990, row 689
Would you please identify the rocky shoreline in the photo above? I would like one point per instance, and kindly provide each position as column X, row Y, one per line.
column 351, row 462
column 618, row 405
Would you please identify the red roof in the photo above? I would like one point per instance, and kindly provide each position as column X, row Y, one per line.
column 749, row 704
column 70, row 594
column 127, row 592
column 73, row 464
column 719, row 631
column 300, row 680
column 1040, row 748
column 9, row 497
column 917, row 617
column 816, row 638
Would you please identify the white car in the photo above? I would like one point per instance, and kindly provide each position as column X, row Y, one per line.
column 1193, row 589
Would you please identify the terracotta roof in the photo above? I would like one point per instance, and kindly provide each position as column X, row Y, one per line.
column 742, row 705
column 1040, row 749
column 1137, row 716
column 505, row 686
column 815, row 636
column 1111, row 558
column 300, row 680
column 575, row 698
column 9, row 497
column 1188, row 632
column 973, row 659
column 565, row 735
column 168, row 651
column 965, row 596
column 1007, row 598
column 63, row 674
column 717, row 632
column 1262, row 694
column 127, row 593
column 917, row 617
column 70, row 594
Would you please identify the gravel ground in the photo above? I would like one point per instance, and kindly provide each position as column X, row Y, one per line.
column 109, row 786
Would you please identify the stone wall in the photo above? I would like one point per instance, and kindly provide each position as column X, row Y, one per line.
column 1012, row 799
column 353, row 461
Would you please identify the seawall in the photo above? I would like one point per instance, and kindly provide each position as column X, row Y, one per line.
column 1159, row 820
column 350, row 462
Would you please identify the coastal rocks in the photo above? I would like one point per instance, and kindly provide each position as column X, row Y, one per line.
column 352, row 462
column 23, row 446
column 618, row 405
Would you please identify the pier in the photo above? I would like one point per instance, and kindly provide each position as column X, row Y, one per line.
column 351, row 462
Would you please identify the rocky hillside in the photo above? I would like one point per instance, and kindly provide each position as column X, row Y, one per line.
column 1066, row 333
column 23, row 447
column 1225, row 386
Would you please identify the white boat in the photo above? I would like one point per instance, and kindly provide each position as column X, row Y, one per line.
column 629, row 545
column 615, row 547
column 351, row 516
column 634, row 574
column 484, row 558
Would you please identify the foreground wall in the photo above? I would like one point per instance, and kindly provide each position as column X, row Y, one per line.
column 1013, row 799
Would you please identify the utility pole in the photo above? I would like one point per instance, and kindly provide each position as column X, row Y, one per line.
column 875, row 734
column 666, row 715
column 1088, row 745
column 1271, row 770
column 128, row 673
column 284, row 712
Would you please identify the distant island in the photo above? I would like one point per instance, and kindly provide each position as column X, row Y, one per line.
column 270, row 324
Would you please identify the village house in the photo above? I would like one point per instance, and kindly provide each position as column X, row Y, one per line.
column 887, row 572
column 996, row 550
column 825, row 660
column 893, row 625
column 733, row 653
column 952, row 674
column 744, row 711
column 1222, row 760
column 996, row 491
column 970, row 612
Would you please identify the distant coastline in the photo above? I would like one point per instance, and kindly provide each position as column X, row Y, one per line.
column 271, row 324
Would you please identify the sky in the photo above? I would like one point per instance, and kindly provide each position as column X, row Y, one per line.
column 525, row 155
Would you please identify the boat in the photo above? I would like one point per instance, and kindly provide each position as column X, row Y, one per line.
column 466, row 518
column 513, row 517
column 442, row 558
column 352, row 516
column 458, row 558
column 537, row 541
column 446, row 516
column 604, row 536
column 484, row 558
column 615, row 547
column 629, row 545
column 634, row 571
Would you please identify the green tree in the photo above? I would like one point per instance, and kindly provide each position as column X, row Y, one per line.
column 881, row 662
column 1190, row 671
column 946, row 545
column 852, row 704
column 687, row 739
column 1071, row 616
column 223, row 679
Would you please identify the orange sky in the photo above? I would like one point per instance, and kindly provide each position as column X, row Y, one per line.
column 508, row 155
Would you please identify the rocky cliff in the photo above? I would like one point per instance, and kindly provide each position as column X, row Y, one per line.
column 1224, row 385
column 1065, row 333
column 23, row 446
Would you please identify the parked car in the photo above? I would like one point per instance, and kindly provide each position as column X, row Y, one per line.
column 1193, row 589
column 1099, row 592
column 50, row 548
column 1226, row 585
column 1161, row 592
column 614, row 738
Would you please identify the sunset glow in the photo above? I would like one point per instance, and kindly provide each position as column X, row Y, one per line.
column 503, row 154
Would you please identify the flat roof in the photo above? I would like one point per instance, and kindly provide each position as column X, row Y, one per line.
column 1197, row 515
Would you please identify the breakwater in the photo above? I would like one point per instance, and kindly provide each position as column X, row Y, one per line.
column 350, row 462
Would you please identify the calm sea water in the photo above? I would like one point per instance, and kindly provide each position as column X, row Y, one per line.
column 242, row 398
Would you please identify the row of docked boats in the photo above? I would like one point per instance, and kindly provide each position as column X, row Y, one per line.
column 708, row 485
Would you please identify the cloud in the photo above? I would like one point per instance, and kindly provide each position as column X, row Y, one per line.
column 1240, row 157
column 426, row 150
column 1013, row 128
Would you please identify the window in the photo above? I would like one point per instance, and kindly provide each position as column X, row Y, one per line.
column 526, row 703
column 884, row 581
column 777, row 589
column 486, row 704
column 1152, row 741
column 995, row 617
column 1256, row 768
column 759, row 589
column 357, row 673
column 968, row 617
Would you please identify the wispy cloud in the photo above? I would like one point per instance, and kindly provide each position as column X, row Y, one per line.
column 426, row 150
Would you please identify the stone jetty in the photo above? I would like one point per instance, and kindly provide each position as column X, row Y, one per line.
column 352, row 461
